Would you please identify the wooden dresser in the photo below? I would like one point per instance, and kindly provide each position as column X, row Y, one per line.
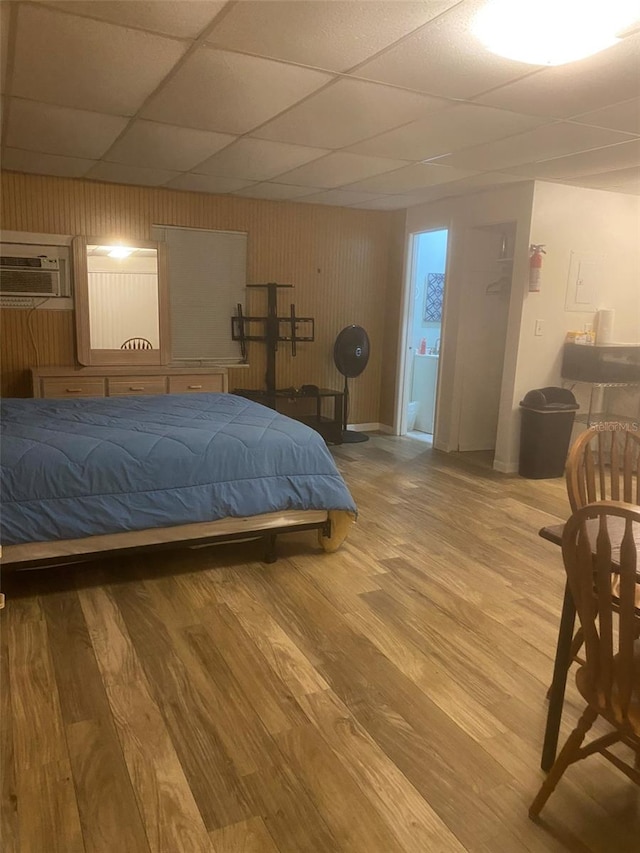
column 123, row 381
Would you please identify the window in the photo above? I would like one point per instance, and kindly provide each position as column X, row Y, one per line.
column 207, row 274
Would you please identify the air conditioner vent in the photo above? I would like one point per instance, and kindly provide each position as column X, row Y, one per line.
column 32, row 283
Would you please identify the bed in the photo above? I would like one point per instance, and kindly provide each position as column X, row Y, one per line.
column 82, row 477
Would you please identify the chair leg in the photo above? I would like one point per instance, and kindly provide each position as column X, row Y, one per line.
column 576, row 644
column 567, row 756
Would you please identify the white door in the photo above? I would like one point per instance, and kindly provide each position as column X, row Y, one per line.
column 483, row 326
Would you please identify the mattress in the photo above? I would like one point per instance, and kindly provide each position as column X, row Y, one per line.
column 75, row 468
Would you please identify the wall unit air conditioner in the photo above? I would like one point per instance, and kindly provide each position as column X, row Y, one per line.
column 31, row 271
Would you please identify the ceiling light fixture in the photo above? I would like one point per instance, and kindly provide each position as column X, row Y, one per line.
column 553, row 32
column 121, row 252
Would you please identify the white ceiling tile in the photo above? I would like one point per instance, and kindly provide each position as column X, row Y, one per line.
column 229, row 92
column 185, row 19
column 337, row 168
column 627, row 190
column 119, row 173
column 445, row 58
column 541, row 143
column 385, row 202
column 166, row 146
column 628, row 178
column 207, row 183
column 449, row 130
column 613, row 157
column 275, row 192
column 44, row 164
column 419, row 175
column 61, row 130
column 486, row 180
column 258, row 159
column 567, row 90
column 624, row 116
column 339, row 198
column 76, row 62
column 5, row 14
column 408, row 199
column 334, row 35
column 346, row 112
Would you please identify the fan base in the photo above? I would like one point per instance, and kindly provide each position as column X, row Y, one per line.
column 351, row 437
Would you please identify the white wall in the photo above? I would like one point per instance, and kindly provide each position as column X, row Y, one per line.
column 511, row 203
column 582, row 220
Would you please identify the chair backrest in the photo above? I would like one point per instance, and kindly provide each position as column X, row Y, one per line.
column 600, row 539
column 604, row 464
column 136, row 343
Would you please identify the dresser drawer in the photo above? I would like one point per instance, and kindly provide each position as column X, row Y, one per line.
column 71, row 387
column 131, row 385
column 195, row 384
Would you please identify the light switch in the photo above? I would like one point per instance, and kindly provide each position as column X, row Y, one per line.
column 539, row 328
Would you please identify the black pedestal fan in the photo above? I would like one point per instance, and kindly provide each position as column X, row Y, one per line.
column 351, row 354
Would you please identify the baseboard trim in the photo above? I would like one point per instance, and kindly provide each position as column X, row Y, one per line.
column 505, row 467
column 363, row 427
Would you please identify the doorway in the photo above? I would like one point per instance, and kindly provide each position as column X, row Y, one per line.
column 423, row 333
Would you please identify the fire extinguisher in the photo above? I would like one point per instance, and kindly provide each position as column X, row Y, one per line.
column 536, row 251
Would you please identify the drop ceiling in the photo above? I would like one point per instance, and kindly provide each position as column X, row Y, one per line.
column 379, row 105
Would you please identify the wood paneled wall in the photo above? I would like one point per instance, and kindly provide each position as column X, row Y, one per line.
column 343, row 263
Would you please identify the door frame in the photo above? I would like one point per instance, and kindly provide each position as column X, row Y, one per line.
column 407, row 300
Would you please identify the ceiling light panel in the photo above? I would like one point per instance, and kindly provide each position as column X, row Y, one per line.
column 447, row 131
column 166, row 146
column 76, row 62
column 61, row 130
column 185, row 19
column 444, row 58
column 229, row 92
column 334, row 35
column 259, row 159
column 556, row 32
column 346, row 112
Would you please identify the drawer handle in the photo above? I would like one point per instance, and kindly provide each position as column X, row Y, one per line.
column 194, row 387
column 136, row 387
column 74, row 390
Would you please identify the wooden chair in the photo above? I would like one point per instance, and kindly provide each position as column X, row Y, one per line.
column 136, row 343
column 603, row 464
column 609, row 680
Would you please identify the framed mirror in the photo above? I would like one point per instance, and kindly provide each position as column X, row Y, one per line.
column 122, row 311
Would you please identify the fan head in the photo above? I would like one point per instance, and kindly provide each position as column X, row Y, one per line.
column 351, row 351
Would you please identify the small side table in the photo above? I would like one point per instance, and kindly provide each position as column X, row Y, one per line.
column 326, row 420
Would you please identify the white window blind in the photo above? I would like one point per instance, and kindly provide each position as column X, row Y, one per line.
column 207, row 273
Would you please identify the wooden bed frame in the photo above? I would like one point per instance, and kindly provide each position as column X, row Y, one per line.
column 332, row 527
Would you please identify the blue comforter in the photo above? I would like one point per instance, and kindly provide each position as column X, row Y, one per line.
column 73, row 468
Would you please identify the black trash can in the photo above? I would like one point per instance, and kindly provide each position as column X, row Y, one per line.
column 547, row 421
